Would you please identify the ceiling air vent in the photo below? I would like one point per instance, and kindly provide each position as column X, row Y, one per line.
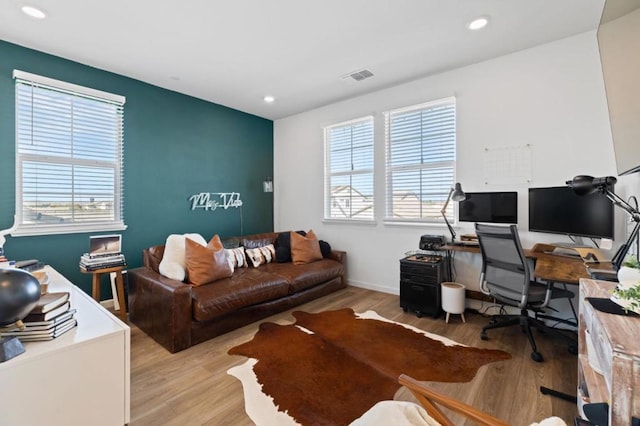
column 358, row 75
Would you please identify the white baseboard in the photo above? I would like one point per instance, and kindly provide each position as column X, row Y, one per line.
column 374, row 287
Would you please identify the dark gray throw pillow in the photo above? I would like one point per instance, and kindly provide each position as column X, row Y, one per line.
column 325, row 248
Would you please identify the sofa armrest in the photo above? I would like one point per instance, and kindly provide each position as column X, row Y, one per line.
column 339, row 255
column 161, row 307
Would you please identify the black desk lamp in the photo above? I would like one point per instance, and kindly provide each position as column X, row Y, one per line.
column 585, row 185
column 455, row 194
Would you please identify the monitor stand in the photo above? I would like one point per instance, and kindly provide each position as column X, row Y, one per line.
column 578, row 242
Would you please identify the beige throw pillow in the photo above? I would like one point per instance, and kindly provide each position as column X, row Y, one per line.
column 305, row 249
column 172, row 264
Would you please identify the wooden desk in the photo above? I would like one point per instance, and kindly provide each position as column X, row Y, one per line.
column 548, row 266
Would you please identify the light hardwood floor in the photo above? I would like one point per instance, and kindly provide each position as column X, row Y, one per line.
column 193, row 388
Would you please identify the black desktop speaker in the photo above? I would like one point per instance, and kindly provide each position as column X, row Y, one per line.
column 432, row 242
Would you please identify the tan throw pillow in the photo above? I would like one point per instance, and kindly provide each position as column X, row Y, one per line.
column 261, row 255
column 305, row 249
column 205, row 265
column 215, row 243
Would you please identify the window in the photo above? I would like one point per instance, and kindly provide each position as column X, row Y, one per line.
column 420, row 161
column 349, row 170
column 69, row 153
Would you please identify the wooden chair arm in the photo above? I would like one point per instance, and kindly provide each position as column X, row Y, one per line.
column 428, row 398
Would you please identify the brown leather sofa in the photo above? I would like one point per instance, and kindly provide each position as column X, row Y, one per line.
column 179, row 315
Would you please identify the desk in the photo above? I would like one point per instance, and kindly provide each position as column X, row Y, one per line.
column 548, row 266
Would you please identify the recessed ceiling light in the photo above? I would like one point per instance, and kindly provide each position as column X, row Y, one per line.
column 478, row 23
column 34, row 12
column 269, row 99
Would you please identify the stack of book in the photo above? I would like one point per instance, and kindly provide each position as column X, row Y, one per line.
column 93, row 262
column 51, row 317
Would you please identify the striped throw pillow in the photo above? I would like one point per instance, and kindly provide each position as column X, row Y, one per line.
column 235, row 257
column 261, row 255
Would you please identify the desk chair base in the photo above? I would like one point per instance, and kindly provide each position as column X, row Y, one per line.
column 526, row 322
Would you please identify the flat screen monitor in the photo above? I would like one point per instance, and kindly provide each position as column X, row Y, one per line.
column 492, row 207
column 559, row 210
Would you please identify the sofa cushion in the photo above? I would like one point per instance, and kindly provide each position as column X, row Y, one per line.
column 231, row 242
column 246, row 287
column 301, row 277
column 261, row 255
column 305, row 249
column 205, row 264
column 258, row 240
column 152, row 256
column 172, row 264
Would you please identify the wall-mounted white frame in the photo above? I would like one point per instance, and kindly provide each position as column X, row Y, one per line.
column 507, row 165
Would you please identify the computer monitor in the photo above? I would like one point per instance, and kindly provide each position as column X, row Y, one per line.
column 559, row 210
column 491, row 207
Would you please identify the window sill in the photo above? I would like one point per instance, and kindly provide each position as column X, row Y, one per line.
column 27, row 231
column 415, row 224
column 350, row 222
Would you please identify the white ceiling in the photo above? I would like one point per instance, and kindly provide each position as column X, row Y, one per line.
column 235, row 52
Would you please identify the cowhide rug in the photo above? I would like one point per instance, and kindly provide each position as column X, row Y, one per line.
column 333, row 366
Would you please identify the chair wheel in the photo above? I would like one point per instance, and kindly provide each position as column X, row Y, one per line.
column 536, row 356
column 419, row 314
column 404, row 309
column 484, row 336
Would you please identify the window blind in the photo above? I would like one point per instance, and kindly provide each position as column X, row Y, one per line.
column 420, row 161
column 349, row 170
column 69, row 157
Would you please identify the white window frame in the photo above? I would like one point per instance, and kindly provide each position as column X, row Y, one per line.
column 329, row 202
column 443, row 185
column 76, row 223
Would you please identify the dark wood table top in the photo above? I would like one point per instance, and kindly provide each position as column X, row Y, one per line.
column 549, row 266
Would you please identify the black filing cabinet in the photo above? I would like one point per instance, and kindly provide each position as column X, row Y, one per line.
column 420, row 278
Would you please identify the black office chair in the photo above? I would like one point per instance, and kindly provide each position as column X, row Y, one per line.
column 507, row 277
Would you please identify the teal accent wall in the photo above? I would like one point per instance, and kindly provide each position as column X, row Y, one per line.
column 174, row 146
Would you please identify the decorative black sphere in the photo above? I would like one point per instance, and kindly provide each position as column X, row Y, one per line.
column 19, row 292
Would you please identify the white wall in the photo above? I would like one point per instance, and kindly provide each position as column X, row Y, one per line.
column 551, row 97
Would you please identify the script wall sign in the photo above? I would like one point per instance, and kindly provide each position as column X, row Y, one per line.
column 214, row 200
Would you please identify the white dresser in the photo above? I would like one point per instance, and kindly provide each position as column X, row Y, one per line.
column 79, row 378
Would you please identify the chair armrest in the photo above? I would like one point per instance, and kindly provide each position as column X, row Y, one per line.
column 428, row 397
